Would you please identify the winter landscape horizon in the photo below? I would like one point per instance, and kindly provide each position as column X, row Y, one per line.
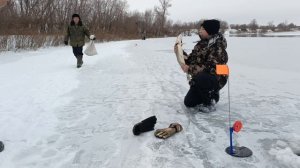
column 54, row 115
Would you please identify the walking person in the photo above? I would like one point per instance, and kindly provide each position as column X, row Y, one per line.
column 76, row 33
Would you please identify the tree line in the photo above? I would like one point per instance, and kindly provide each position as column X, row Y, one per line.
column 254, row 27
column 104, row 17
column 36, row 23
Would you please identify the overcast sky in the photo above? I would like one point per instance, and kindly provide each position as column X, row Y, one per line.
column 232, row 11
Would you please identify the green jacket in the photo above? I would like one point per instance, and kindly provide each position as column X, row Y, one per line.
column 76, row 35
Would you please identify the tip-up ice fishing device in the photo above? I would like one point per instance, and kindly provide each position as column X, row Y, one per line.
column 237, row 126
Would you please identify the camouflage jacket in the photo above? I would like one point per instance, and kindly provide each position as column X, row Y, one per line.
column 206, row 55
column 76, row 34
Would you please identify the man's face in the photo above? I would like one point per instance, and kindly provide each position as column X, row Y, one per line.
column 203, row 33
column 76, row 20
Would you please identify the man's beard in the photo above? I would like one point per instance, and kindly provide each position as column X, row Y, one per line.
column 201, row 38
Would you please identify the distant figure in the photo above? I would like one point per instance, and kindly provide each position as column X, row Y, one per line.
column 201, row 65
column 144, row 36
column 76, row 32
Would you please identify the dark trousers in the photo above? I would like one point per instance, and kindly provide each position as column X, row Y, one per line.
column 77, row 51
column 203, row 89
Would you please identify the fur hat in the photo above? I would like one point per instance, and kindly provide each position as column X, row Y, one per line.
column 211, row 26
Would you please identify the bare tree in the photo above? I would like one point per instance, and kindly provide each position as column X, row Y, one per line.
column 271, row 26
column 161, row 14
column 223, row 26
column 243, row 27
column 253, row 26
column 292, row 26
column 148, row 22
column 283, row 26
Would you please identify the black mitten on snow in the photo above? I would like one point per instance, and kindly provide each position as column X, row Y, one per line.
column 144, row 126
column 1, row 146
column 66, row 42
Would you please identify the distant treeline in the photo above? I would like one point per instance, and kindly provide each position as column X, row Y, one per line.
column 254, row 27
column 41, row 20
column 106, row 18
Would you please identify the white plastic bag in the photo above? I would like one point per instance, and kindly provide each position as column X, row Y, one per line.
column 90, row 49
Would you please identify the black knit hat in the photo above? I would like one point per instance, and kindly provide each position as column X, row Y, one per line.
column 75, row 15
column 211, row 26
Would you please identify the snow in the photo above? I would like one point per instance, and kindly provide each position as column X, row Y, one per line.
column 54, row 115
column 290, row 33
column 285, row 154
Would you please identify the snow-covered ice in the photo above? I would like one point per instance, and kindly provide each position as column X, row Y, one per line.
column 290, row 33
column 53, row 115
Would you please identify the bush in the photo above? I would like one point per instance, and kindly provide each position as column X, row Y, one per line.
column 17, row 42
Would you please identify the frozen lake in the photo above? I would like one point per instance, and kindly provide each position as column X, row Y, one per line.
column 54, row 115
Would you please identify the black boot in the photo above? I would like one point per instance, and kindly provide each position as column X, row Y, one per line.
column 216, row 96
column 79, row 61
column 209, row 105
